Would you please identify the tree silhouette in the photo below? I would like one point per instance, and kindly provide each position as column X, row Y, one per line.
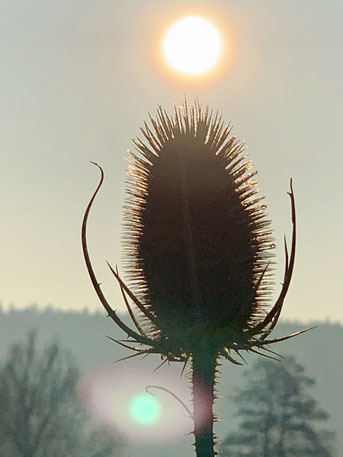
column 40, row 411
column 278, row 416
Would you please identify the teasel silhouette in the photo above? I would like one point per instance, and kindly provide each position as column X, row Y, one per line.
column 198, row 252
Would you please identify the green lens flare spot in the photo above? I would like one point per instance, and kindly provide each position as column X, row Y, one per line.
column 145, row 409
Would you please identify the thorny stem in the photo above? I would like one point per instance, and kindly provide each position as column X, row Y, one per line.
column 203, row 380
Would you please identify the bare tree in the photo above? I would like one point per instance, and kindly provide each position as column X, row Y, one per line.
column 40, row 410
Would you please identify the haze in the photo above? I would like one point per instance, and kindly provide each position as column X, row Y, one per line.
column 77, row 81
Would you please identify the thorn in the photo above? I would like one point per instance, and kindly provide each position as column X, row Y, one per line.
column 127, row 357
column 226, row 354
column 160, row 365
column 264, row 355
column 124, row 345
column 184, row 367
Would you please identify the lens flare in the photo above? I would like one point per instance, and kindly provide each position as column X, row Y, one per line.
column 145, row 409
column 117, row 399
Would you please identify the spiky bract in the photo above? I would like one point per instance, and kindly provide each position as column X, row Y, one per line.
column 196, row 237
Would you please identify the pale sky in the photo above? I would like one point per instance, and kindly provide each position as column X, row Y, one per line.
column 77, row 80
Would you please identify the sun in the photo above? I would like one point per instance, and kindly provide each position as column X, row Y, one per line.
column 192, row 45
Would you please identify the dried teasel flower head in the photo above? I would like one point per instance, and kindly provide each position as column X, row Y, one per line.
column 198, row 246
column 197, row 239
column 198, row 250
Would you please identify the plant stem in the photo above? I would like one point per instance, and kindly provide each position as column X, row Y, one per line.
column 203, row 379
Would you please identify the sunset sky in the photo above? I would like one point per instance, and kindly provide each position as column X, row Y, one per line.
column 78, row 79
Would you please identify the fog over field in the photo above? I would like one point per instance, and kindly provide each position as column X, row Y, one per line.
column 84, row 334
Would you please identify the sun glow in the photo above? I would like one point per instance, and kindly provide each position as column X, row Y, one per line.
column 118, row 400
column 192, row 45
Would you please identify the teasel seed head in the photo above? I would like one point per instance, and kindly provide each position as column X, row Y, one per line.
column 196, row 236
column 197, row 243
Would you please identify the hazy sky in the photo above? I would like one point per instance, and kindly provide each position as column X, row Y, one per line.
column 77, row 80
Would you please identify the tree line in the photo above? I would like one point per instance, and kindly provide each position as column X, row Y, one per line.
column 41, row 413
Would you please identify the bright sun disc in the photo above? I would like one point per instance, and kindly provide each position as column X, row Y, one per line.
column 192, row 45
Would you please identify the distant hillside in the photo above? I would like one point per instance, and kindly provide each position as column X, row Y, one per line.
column 318, row 350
